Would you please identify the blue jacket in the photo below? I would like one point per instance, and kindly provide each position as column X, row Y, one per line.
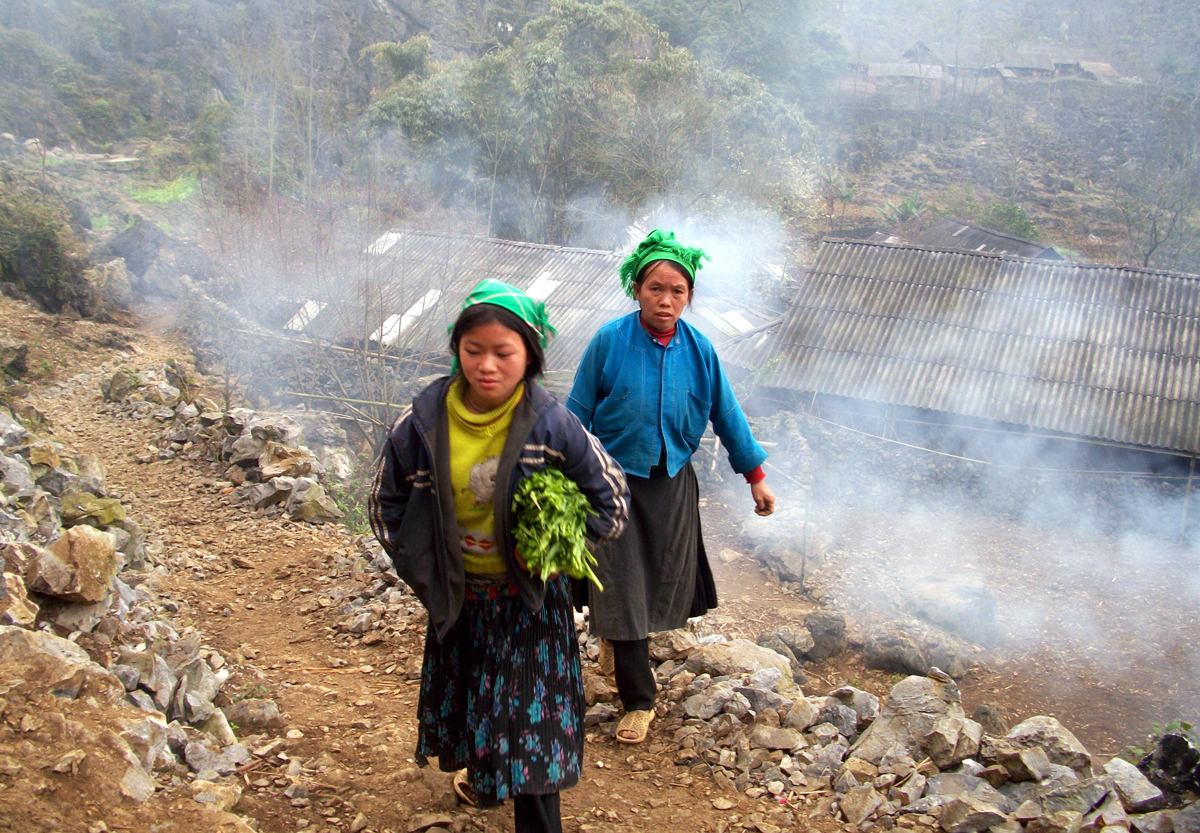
column 412, row 505
column 633, row 393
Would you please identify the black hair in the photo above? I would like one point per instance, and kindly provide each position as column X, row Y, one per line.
column 479, row 314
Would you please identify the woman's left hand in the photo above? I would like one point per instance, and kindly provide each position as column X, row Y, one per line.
column 764, row 498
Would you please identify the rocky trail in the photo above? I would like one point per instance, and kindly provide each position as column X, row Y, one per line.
column 288, row 661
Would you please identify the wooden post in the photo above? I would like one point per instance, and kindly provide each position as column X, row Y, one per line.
column 1187, row 500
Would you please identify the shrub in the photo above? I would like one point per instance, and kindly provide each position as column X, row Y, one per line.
column 39, row 255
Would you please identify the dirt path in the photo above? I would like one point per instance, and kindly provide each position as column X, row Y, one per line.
column 349, row 710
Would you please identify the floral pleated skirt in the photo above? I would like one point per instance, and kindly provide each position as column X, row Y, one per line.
column 502, row 695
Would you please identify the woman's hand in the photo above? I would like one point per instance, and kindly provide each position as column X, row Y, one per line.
column 524, row 566
column 764, row 498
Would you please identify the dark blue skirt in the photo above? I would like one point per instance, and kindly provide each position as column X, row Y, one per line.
column 502, row 695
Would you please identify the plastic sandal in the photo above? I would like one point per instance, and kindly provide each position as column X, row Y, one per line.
column 464, row 790
column 608, row 661
column 637, row 723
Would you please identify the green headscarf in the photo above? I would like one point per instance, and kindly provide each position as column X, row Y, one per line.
column 660, row 245
column 516, row 301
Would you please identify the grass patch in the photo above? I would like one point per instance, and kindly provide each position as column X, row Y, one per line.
column 101, row 222
column 177, row 190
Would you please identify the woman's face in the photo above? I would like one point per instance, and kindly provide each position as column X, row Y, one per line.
column 493, row 360
column 662, row 295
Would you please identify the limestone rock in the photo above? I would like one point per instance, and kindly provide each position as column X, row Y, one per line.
column 48, row 663
column 768, row 737
column 1081, row 797
column 147, row 738
column 828, row 632
column 13, row 356
column 802, row 714
column 710, row 702
column 893, row 649
column 118, row 386
column 1060, row 745
column 277, row 459
column 676, row 645
column 864, row 704
column 1065, row 821
column 969, row 815
column 254, row 715
column 16, row 479
column 912, row 709
column 859, row 803
column 137, row 785
column 1022, row 763
column 313, row 505
column 218, row 795
column 739, row 656
column 15, row 606
column 217, row 727
column 1159, row 821
column 1137, row 794
column 12, row 433
column 83, row 508
column 78, row 566
column 153, row 675
column 952, row 741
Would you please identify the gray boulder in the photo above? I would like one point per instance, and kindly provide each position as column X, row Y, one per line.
column 1061, row 746
column 828, row 632
column 739, row 656
column 1137, row 794
column 912, row 709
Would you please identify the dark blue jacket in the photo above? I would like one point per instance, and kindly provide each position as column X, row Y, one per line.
column 634, row 394
column 412, row 502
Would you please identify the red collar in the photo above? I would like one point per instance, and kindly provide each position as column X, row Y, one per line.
column 662, row 338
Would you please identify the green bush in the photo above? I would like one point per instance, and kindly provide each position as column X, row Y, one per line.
column 39, row 255
column 1010, row 218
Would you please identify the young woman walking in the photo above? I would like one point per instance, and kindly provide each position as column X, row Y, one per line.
column 647, row 386
column 501, row 686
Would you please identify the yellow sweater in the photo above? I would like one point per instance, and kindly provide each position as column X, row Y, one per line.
column 476, row 442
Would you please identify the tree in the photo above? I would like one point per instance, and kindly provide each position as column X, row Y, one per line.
column 590, row 102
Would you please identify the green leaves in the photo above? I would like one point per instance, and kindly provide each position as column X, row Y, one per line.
column 551, row 526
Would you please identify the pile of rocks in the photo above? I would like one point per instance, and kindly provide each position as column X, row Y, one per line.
column 917, row 761
column 78, row 574
column 263, row 453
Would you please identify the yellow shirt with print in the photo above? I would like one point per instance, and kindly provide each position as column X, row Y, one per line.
column 476, row 443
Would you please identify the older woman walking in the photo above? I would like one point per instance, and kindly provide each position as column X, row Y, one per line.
column 647, row 386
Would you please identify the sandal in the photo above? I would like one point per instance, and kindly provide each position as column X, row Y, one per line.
column 608, row 661
column 464, row 790
column 636, row 724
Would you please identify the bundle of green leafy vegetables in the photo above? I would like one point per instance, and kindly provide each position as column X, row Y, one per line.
column 551, row 526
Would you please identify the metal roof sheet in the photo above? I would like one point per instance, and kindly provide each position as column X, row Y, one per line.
column 952, row 233
column 415, row 282
column 1107, row 352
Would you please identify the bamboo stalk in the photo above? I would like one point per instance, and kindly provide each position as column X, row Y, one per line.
column 342, row 399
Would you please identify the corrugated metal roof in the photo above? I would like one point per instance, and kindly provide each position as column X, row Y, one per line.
column 1038, row 61
column 952, row 233
column 416, row 281
column 1105, row 352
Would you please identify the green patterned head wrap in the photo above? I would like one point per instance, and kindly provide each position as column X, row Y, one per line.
column 660, row 245
column 516, row 301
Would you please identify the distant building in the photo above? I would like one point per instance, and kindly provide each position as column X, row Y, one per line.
column 1106, row 353
column 1029, row 65
column 950, row 233
column 880, row 72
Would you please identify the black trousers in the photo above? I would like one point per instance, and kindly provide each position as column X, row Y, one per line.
column 537, row 813
column 635, row 680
